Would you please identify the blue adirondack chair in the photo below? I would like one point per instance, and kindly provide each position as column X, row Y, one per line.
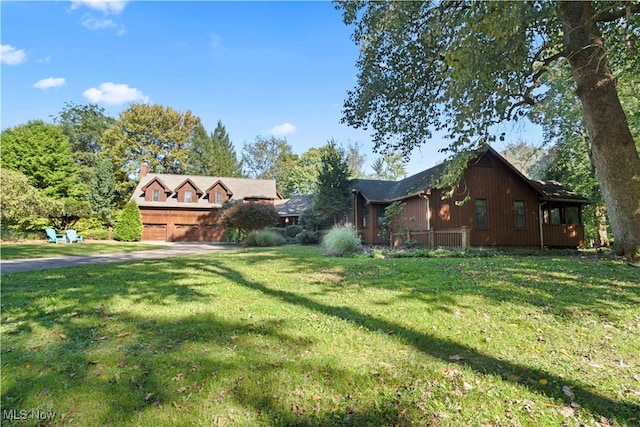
column 55, row 237
column 73, row 236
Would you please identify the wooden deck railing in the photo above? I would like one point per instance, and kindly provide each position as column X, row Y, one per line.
column 454, row 238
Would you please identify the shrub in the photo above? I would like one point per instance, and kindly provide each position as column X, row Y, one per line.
column 279, row 230
column 292, row 230
column 233, row 235
column 264, row 238
column 249, row 216
column 128, row 224
column 96, row 234
column 341, row 241
column 307, row 237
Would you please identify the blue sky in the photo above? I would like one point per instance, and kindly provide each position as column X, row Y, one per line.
column 281, row 68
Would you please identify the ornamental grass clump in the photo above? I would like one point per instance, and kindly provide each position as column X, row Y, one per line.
column 341, row 241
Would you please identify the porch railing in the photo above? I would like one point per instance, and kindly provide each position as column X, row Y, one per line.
column 453, row 238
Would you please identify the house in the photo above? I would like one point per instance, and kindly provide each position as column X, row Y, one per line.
column 497, row 206
column 291, row 209
column 185, row 207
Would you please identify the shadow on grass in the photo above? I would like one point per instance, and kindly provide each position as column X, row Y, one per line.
column 141, row 371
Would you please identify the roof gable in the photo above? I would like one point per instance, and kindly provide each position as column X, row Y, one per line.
column 189, row 181
column 159, row 181
column 221, row 184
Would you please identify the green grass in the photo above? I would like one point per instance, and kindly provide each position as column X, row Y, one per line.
column 284, row 336
column 45, row 250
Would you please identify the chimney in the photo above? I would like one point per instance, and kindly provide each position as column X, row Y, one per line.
column 144, row 170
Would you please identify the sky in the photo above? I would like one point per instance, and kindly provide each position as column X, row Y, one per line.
column 262, row 68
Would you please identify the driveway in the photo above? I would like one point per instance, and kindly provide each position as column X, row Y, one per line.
column 172, row 249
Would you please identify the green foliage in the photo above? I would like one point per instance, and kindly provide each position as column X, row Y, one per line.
column 334, row 197
column 313, row 220
column 213, row 155
column 102, row 189
column 308, row 237
column 64, row 213
column 233, row 235
column 341, row 241
column 18, row 197
column 128, row 224
column 278, row 230
column 265, row 157
column 248, row 216
column 523, row 156
column 83, row 125
column 390, row 166
column 264, row 238
column 160, row 136
column 42, row 153
column 293, row 230
column 33, row 223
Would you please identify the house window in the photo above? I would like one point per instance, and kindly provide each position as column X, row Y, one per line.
column 380, row 215
column 219, row 198
column 556, row 216
column 156, row 195
column 481, row 213
column 518, row 207
column 572, row 215
column 187, row 196
column 365, row 216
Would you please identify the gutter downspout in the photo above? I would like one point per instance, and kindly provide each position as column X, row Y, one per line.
column 540, row 220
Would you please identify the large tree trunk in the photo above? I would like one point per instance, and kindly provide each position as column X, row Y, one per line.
column 613, row 149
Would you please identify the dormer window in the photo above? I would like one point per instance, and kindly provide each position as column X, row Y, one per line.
column 188, row 196
column 155, row 196
column 218, row 198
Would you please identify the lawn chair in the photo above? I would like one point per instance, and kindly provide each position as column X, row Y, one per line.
column 55, row 237
column 73, row 236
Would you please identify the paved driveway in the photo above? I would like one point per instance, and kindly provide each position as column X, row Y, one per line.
column 171, row 250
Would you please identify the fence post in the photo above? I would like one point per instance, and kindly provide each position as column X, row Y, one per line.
column 432, row 238
column 465, row 238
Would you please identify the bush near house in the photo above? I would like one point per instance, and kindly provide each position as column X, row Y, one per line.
column 341, row 241
column 128, row 224
column 264, row 238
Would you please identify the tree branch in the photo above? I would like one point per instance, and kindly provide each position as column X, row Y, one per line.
column 615, row 14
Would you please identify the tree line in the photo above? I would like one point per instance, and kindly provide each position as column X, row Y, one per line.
column 86, row 163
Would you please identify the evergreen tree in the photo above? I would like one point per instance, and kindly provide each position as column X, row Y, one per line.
column 128, row 225
column 102, row 189
column 214, row 155
column 333, row 198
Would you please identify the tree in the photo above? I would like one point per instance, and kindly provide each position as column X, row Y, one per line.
column 248, row 217
column 102, row 190
column 83, row 125
column 128, row 224
column 269, row 158
column 214, row 155
column 462, row 68
column 333, row 198
column 18, row 198
column 390, row 166
column 64, row 213
column 148, row 133
column 355, row 160
column 523, row 156
column 42, row 153
column 302, row 176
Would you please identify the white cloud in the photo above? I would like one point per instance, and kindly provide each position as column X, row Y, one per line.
column 9, row 55
column 92, row 23
column 50, row 82
column 108, row 7
column 114, row 94
column 283, row 129
column 44, row 60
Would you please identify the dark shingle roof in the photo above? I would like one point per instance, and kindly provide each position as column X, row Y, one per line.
column 293, row 206
column 385, row 191
column 556, row 192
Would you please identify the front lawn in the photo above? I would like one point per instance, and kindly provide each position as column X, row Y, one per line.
column 287, row 337
column 45, row 250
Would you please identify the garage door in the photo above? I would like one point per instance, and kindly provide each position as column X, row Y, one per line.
column 154, row 232
column 185, row 233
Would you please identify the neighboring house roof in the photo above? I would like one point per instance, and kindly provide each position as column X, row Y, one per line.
column 293, row 206
column 241, row 189
column 379, row 191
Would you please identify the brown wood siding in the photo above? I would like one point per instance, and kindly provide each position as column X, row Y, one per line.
column 218, row 188
column 154, row 232
column 187, row 187
column 148, row 193
column 500, row 187
column 185, row 224
column 563, row 235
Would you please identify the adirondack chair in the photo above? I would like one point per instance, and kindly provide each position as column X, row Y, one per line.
column 73, row 236
column 55, row 237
